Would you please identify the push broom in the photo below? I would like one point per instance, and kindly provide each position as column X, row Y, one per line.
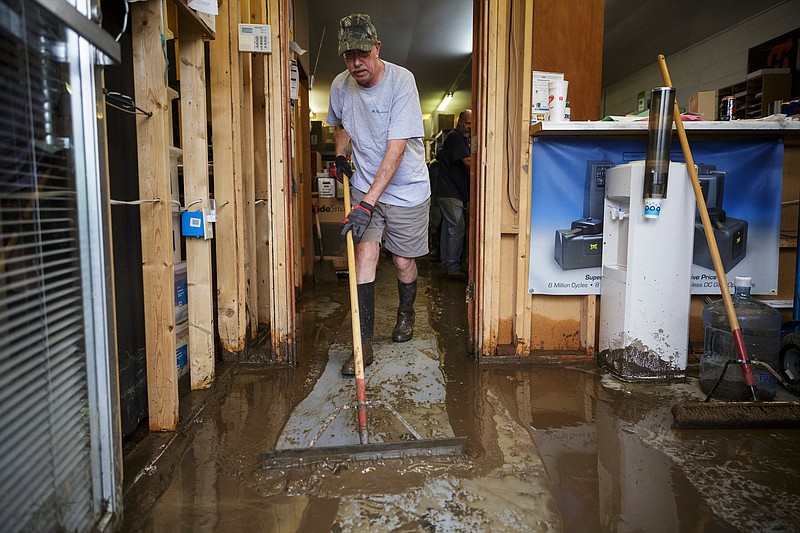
column 365, row 450
column 724, row 414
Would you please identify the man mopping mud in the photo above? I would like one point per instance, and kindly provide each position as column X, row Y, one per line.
column 374, row 106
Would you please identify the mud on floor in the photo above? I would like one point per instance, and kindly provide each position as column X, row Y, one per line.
column 550, row 448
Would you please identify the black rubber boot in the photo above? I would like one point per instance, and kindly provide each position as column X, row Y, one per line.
column 366, row 312
column 404, row 329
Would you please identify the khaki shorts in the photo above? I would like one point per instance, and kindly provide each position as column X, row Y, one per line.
column 404, row 230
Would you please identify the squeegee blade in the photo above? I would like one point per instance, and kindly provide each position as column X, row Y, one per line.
column 363, row 452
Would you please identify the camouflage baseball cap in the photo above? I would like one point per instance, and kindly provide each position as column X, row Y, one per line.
column 356, row 32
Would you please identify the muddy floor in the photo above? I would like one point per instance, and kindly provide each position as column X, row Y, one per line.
column 549, row 448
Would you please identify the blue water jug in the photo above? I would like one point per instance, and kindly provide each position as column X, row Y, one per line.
column 761, row 327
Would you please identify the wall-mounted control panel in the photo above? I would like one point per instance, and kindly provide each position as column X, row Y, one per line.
column 255, row 38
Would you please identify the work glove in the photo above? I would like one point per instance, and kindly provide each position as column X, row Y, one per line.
column 357, row 221
column 343, row 168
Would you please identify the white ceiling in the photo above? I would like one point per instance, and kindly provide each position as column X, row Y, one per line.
column 433, row 38
column 636, row 31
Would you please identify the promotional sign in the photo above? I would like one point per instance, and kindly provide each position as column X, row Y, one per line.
column 741, row 182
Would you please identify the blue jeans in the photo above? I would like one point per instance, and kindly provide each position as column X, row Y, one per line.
column 454, row 228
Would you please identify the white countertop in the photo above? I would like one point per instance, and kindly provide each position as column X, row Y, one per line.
column 757, row 127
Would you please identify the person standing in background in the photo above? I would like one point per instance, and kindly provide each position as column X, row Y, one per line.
column 374, row 106
column 455, row 160
column 435, row 223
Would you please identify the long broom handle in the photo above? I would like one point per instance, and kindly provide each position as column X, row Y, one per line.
column 358, row 354
column 712, row 242
column 319, row 230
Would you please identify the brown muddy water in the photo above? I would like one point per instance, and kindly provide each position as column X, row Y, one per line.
column 550, row 448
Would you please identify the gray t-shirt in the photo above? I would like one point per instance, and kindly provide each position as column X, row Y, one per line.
column 389, row 110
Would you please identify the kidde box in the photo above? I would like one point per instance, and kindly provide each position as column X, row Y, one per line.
column 704, row 103
column 331, row 210
column 331, row 215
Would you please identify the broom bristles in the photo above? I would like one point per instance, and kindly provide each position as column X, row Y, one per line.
column 736, row 415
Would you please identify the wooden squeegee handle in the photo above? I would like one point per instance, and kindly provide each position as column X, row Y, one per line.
column 733, row 321
column 358, row 353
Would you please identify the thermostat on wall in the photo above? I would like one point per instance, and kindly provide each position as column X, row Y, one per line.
column 255, row 38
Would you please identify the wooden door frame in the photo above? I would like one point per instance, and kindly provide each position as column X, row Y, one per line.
column 497, row 227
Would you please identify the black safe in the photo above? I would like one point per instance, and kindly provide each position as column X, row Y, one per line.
column 730, row 233
column 581, row 246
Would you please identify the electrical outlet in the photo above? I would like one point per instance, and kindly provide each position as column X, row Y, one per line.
column 209, row 233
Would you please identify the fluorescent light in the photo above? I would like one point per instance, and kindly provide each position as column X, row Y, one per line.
column 445, row 102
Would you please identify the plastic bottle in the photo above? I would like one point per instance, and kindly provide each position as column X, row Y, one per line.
column 760, row 325
column 567, row 112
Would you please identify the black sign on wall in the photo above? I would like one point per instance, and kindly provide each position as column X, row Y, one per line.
column 780, row 52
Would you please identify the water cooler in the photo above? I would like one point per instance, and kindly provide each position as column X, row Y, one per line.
column 648, row 234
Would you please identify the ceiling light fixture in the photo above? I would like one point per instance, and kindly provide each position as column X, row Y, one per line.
column 445, row 101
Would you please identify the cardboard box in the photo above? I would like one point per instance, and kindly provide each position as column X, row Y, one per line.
column 328, row 141
column 446, row 121
column 182, row 348
column 181, row 293
column 331, row 214
column 331, row 210
column 317, row 143
column 641, row 101
column 704, row 103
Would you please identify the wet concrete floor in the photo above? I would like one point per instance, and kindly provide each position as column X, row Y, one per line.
column 550, row 448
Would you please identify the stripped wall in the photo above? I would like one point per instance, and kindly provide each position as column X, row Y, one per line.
column 715, row 62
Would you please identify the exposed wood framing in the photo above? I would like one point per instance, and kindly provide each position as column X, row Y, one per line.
column 282, row 308
column 477, row 173
column 508, row 36
column 522, row 309
column 194, row 18
column 297, row 222
column 300, row 126
column 306, row 178
column 195, row 181
column 147, row 25
column 557, row 325
column 258, row 14
column 559, row 30
column 248, row 179
column 588, row 323
column 304, row 175
column 493, row 169
column 554, row 32
column 232, row 319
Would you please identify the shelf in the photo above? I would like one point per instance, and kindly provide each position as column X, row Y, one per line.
column 755, row 95
column 768, row 71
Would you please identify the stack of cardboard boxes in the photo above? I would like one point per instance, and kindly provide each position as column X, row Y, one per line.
column 704, row 103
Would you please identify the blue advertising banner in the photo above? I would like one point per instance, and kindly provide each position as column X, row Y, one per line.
column 741, row 181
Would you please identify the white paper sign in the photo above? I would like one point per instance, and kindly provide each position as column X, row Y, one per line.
column 204, row 6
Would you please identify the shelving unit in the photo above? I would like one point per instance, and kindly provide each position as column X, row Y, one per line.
column 438, row 141
column 761, row 88
column 764, row 87
column 738, row 90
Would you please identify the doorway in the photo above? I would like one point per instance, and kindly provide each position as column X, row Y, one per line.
column 434, row 40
